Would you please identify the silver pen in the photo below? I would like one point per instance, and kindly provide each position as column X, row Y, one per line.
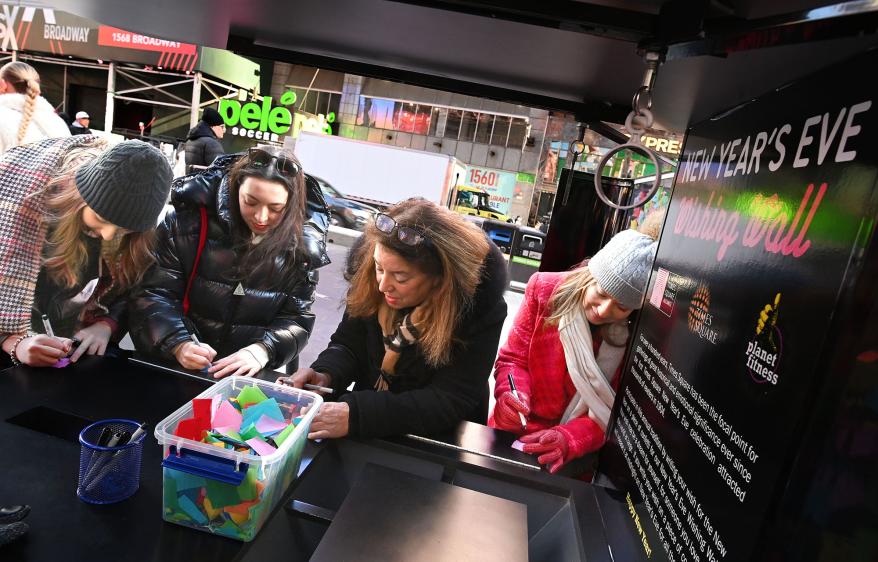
column 48, row 326
column 194, row 339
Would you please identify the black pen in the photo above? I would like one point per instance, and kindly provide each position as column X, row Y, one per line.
column 515, row 393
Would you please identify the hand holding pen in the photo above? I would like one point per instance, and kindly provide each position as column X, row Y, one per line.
column 194, row 355
column 517, row 397
column 41, row 350
column 511, row 409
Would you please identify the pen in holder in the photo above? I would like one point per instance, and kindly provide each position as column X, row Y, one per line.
column 109, row 460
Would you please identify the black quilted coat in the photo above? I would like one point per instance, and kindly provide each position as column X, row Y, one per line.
column 280, row 318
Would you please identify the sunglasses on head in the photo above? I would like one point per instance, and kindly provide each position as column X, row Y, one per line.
column 260, row 159
column 406, row 234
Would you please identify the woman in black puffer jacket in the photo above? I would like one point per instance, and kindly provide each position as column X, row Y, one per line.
column 249, row 298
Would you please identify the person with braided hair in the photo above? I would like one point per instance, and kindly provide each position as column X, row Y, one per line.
column 25, row 116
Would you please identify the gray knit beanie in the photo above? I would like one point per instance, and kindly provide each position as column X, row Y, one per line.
column 622, row 267
column 127, row 185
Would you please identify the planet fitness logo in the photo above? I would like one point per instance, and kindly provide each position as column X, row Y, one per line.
column 764, row 350
column 700, row 319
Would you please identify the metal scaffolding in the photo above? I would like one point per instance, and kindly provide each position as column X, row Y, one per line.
column 127, row 83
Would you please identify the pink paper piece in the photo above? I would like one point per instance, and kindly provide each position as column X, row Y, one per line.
column 518, row 445
column 262, row 448
column 61, row 363
column 266, row 425
column 227, row 416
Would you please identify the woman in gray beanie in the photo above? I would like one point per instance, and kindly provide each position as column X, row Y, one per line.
column 76, row 225
column 564, row 351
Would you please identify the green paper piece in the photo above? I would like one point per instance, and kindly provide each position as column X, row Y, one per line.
column 222, row 495
column 251, row 395
column 282, row 436
column 169, row 491
column 247, row 490
column 186, row 481
column 229, row 528
column 192, row 510
column 250, row 433
column 234, row 435
column 179, row 517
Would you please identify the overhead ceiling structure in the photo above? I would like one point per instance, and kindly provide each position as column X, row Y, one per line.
column 569, row 55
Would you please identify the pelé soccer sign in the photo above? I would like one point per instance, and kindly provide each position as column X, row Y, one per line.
column 261, row 121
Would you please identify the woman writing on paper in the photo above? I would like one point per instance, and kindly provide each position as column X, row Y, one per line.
column 420, row 331
column 564, row 351
column 236, row 267
column 76, row 225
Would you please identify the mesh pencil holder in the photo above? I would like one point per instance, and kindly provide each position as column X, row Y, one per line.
column 108, row 474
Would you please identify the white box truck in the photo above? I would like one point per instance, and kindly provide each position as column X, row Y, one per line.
column 378, row 173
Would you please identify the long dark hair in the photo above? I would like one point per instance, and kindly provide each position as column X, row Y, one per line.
column 273, row 260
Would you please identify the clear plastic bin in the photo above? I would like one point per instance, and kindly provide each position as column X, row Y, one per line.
column 223, row 491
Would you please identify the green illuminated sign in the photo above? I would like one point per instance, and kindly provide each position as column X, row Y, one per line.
column 260, row 120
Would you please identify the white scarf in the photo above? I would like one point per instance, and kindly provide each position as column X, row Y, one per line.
column 590, row 376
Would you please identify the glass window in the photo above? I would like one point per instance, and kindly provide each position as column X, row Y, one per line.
column 326, row 188
column 382, row 113
column 483, row 130
column 422, row 120
column 434, row 121
column 518, row 132
column 452, row 123
column 501, row 130
column 412, row 118
column 404, row 116
column 468, row 126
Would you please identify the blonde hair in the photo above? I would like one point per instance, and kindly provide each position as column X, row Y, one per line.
column 25, row 80
column 571, row 292
column 129, row 256
column 452, row 254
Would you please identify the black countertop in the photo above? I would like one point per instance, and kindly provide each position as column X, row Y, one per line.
column 43, row 410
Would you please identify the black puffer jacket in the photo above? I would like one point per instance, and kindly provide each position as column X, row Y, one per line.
column 280, row 319
column 202, row 146
column 422, row 399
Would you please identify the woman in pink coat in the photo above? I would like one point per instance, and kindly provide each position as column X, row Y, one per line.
column 565, row 350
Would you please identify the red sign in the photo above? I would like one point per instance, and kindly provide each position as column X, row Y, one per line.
column 115, row 37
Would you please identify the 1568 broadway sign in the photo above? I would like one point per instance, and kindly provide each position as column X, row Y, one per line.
column 261, row 121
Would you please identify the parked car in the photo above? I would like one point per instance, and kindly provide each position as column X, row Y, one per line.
column 345, row 212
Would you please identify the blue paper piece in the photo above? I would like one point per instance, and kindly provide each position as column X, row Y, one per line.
column 186, row 481
column 192, row 510
column 268, row 407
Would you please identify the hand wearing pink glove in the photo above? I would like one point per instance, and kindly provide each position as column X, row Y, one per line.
column 507, row 409
column 551, row 446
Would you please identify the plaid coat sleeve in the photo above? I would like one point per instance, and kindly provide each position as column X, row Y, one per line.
column 24, row 173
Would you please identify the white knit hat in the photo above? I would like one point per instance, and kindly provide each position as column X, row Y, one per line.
column 622, row 267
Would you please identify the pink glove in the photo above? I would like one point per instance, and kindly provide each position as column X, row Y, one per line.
column 550, row 445
column 507, row 409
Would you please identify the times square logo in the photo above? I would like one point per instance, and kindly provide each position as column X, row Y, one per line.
column 699, row 318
